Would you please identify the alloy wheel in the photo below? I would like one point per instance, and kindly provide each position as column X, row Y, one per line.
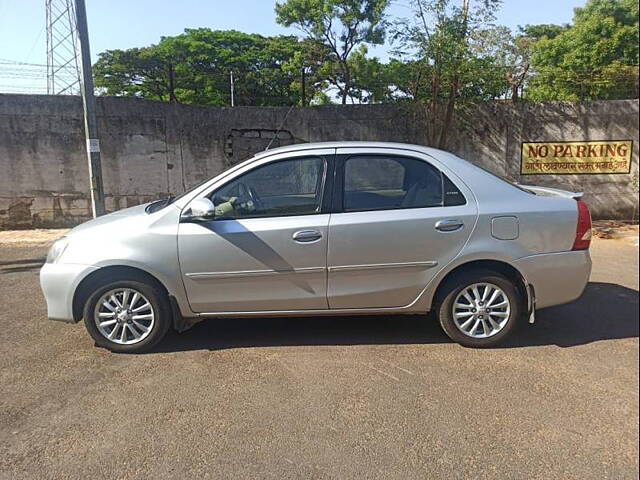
column 124, row 316
column 481, row 310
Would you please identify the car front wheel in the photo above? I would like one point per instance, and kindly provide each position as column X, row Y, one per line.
column 127, row 316
column 480, row 309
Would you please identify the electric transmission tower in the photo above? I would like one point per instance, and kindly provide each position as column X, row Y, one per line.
column 69, row 73
column 63, row 68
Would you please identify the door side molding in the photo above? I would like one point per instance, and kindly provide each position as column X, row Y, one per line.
column 252, row 273
column 380, row 266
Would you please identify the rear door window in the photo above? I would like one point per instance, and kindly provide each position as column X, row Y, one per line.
column 379, row 182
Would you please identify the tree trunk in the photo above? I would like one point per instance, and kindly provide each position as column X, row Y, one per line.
column 448, row 116
column 517, row 86
column 347, row 81
column 433, row 109
column 172, row 85
column 514, row 92
column 451, row 102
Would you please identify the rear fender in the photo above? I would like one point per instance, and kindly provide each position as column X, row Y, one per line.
column 428, row 296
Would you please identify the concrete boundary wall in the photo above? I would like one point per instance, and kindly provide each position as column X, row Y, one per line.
column 153, row 149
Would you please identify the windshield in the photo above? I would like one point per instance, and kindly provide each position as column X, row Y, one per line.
column 164, row 202
column 189, row 190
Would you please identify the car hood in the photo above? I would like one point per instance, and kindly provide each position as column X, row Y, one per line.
column 117, row 216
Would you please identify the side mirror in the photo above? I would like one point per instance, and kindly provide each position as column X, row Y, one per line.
column 200, row 209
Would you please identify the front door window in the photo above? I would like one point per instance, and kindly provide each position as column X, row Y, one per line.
column 285, row 188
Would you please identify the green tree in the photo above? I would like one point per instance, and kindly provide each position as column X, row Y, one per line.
column 195, row 68
column 340, row 26
column 510, row 68
column 136, row 72
column 544, row 30
column 370, row 83
column 596, row 57
column 306, row 67
column 453, row 68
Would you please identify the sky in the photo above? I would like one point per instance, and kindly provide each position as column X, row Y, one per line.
column 133, row 23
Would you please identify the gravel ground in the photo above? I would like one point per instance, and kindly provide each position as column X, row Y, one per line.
column 372, row 397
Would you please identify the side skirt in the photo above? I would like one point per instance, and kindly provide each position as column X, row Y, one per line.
column 314, row 313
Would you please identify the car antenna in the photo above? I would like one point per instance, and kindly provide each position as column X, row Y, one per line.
column 279, row 128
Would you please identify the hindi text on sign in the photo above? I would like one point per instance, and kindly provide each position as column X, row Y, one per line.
column 576, row 157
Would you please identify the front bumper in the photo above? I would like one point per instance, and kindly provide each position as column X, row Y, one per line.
column 58, row 282
column 556, row 278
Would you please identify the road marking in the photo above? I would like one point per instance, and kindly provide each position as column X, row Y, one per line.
column 384, row 373
column 398, row 367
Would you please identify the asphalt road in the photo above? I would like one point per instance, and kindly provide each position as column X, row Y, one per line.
column 324, row 398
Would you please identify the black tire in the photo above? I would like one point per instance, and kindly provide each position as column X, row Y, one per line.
column 161, row 309
column 456, row 285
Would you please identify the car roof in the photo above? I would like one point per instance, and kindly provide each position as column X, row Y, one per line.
column 349, row 144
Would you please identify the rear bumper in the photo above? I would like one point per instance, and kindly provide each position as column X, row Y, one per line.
column 556, row 278
column 58, row 282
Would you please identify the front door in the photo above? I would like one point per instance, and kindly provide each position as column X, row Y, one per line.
column 265, row 249
column 398, row 221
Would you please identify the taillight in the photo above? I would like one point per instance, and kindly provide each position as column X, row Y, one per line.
column 583, row 231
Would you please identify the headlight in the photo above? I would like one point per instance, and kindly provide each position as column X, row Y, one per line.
column 57, row 249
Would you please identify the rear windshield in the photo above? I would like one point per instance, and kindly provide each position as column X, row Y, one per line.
column 513, row 183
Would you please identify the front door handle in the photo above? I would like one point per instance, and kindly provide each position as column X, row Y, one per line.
column 307, row 236
column 450, row 225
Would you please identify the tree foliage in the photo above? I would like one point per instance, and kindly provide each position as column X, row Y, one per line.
column 195, row 67
column 339, row 25
column 594, row 58
column 447, row 56
column 452, row 66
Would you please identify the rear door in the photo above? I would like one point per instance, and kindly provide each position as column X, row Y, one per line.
column 397, row 219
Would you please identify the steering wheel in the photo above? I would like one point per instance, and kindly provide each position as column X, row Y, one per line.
column 250, row 194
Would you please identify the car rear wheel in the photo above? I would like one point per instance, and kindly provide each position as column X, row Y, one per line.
column 480, row 308
column 127, row 316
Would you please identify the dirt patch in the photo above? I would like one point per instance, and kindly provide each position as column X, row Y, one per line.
column 615, row 230
column 39, row 236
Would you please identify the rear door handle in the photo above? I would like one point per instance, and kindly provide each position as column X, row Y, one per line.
column 307, row 236
column 450, row 225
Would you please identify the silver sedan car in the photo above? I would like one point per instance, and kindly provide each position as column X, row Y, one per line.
column 326, row 229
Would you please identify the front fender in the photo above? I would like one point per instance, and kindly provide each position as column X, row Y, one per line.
column 171, row 280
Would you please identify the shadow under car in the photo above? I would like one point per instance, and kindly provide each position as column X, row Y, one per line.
column 605, row 311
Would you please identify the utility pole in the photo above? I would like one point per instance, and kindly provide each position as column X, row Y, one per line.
column 304, row 86
column 89, row 107
column 233, row 101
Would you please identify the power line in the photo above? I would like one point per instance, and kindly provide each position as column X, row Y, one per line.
column 6, row 61
column 35, row 42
